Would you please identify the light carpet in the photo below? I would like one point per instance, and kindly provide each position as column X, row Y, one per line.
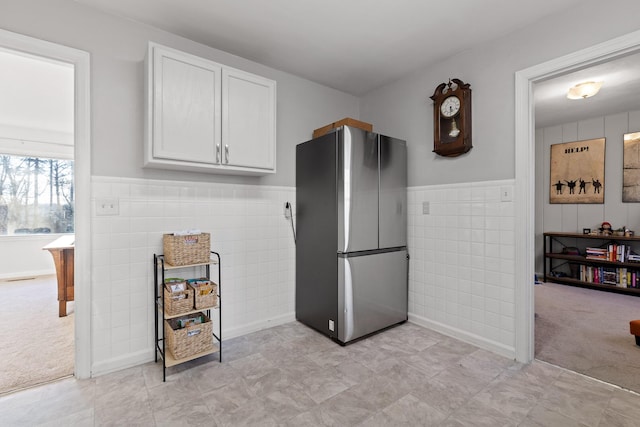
column 587, row 331
column 37, row 345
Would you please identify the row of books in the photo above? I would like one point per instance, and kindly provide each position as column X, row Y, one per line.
column 621, row 277
column 613, row 252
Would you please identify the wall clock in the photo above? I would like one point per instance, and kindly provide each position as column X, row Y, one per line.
column 452, row 118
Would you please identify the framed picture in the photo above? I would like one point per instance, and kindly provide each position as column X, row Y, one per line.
column 577, row 172
column 631, row 168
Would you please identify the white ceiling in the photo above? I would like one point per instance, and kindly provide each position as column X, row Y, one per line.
column 347, row 45
column 620, row 92
column 353, row 46
column 357, row 45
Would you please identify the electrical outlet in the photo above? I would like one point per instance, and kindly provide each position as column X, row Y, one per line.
column 107, row 206
column 425, row 208
column 331, row 326
column 287, row 210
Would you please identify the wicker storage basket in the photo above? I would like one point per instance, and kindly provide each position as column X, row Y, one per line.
column 187, row 249
column 205, row 294
column 178, row 302
column 190, row 340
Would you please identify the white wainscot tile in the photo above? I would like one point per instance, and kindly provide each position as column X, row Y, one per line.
column 507, row 323
column 464, row 272
column 477, row 222
column 492, row 265
column 507, row 266
column 493, row 222
column 477, row 277
column 121, row 225
column 507, row 237
column 507, row 209
column 492, row 319
column 492, row 236
column 477, row 236
column 507, row 295
column 477, row 250
column 478, row 209
column 492, row 209
column 507, row 308
column 464, row 298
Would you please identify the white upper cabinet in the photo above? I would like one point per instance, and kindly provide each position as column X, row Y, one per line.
column 248, row 119
column 204, row 116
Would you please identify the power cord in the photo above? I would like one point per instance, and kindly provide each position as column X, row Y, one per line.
column 288, row 213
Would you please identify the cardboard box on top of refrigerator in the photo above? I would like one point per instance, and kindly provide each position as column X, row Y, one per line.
column 344, row 122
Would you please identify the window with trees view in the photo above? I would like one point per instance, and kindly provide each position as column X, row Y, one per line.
column 36, row 195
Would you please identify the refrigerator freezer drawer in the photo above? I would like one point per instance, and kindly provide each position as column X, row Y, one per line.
column 372, row 293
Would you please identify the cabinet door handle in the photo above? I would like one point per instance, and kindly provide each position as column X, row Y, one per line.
column 217, row 153
column 226, row 153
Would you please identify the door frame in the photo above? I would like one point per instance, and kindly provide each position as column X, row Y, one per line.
column 82, row 172
column 525, row 173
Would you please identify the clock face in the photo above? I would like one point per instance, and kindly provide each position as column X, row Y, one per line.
column 450, row 106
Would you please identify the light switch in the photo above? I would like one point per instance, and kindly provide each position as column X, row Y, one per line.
column 425, row 208
column 107, row 206
column 506, row 193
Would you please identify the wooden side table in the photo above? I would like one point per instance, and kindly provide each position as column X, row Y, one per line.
column 62, row 250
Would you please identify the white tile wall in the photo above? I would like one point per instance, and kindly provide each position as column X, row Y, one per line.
column 461, row 269
column 461, row 278
column 247, row 227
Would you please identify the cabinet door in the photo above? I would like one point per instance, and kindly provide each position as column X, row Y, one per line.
column 186, row 107
column 248, row 120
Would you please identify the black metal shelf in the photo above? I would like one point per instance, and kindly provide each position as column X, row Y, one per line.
column 160, row 267
column 551, row 268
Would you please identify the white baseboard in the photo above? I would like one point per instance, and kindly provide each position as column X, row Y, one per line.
column 123, row 362
column 257, row 326
column 26, row 274
column 465, row 336
column 144, row 356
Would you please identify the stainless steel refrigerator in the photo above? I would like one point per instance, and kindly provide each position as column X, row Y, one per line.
column 351, row 247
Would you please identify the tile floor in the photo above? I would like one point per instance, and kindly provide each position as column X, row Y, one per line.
column 290, row 375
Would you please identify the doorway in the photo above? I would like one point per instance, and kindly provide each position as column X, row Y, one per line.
column 580, row 328
column 36, row 208
column 525, row 171
column 79, row 60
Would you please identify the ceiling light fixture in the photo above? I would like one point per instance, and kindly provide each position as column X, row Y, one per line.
column 584, row 90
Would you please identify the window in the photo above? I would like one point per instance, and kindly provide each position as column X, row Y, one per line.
column 36, row 195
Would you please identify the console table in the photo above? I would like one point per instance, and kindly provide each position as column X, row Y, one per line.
column 62, row 250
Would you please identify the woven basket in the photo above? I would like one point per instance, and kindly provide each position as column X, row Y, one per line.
column 190, row 340
column 178, row 302
column 185, row 250
column 205, row 296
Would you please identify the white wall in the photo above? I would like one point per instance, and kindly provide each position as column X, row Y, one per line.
column 244, row 214
column 403, row 109
column 572, row 218
column 118, row 48
column 23, row 256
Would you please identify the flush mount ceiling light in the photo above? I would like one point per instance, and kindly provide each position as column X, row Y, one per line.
column 584, row 90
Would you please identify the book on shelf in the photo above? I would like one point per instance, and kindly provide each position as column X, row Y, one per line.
column 620, row 277
column 597, row 253
column 613, row 252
